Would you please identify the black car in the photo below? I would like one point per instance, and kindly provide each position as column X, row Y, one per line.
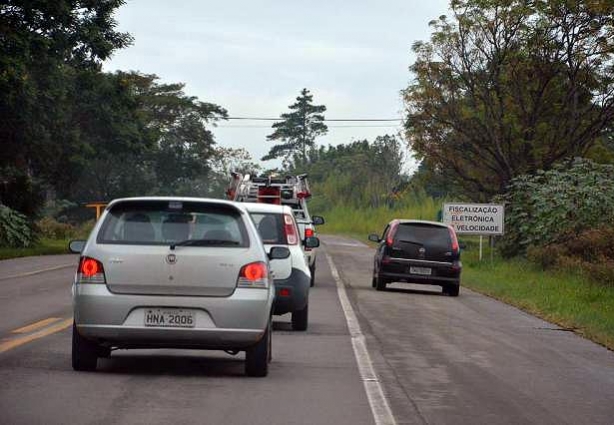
column 417, row 251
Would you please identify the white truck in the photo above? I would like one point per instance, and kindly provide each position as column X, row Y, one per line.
column 281, row 190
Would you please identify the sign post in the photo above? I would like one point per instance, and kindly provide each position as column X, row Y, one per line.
column 475, row 219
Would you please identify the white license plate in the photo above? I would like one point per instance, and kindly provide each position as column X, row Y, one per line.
column 426, row 271
column 170, row 317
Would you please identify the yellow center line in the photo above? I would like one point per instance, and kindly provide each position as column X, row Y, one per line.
column 16, row 342
column 35, row 326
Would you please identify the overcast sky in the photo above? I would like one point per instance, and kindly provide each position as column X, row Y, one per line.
column 254, row 57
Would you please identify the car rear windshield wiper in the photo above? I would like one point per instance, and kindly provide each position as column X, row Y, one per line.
column 205, row 242
column 408, row 241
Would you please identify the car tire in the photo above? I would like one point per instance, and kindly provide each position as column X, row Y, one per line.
column 257, row 357
column 452, row 290
column 84, row 352
column 313, row 275
column 380, row 283
column 300, row 318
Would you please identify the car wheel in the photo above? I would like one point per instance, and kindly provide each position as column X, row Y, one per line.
column 373, row 280
column 380, row 283
column 257, row 357
column 84, row 352
column 299, row 319
column 313, row 275
column 452, row 290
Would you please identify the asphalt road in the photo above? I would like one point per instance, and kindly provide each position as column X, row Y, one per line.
column 437, row 360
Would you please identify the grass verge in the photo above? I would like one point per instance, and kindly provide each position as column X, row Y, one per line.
column 567, row 299
column 43, row 247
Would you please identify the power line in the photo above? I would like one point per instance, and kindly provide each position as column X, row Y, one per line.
column 327, row 119
column 330, row 126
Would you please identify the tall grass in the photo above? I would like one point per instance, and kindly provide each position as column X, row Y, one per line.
column 363, row 221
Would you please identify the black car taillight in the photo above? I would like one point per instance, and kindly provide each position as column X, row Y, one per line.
column 455, row 246
column 391, row 233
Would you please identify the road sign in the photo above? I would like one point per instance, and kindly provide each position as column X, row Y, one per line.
column 475, row 219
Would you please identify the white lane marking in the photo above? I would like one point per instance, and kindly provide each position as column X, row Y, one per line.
column 382, row 414
column 50, row 269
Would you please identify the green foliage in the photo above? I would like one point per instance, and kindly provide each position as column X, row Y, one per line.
column 298, row 129
column 15, row 231
column 557, row 205
column 46, row 47
column 508, row 88
column 362, row 174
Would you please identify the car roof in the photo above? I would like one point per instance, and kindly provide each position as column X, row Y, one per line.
column 258, row 207
column 177, row 198
column 408, row 221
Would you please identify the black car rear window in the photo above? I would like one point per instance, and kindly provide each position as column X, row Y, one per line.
column 426, row 234
column 271, row 227
column 169, row 222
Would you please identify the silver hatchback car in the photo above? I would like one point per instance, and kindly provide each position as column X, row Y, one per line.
column 162, row 272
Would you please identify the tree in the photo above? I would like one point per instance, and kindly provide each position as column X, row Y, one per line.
column 298, row 129
column 45, row 46
column 511, row 87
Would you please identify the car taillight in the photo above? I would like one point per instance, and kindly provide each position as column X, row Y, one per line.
column 455, row 247
column 303, row 194
column 391, row 233
column 309, row 233
column 290, row 230
column 90, row 271
column 254, row 275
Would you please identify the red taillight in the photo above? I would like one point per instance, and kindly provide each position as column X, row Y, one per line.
column 455, row 247
column 309, row 233
column 254, row 271
column 254, row 275
column 303, row 194
column 284, row 292
column 290, row 230
column 90, row 271
column 391, row 233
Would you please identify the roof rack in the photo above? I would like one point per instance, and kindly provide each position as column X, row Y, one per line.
column 268, row 189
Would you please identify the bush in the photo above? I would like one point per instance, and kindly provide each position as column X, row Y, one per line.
column 52, row 229
column 557, row 205
column 15, row 231
column 591, row 253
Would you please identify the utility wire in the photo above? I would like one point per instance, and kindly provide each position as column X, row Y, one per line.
column 326, row 119
column 330, row 126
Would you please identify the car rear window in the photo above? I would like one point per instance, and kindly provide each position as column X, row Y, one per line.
column 168, row 222
column 271, row 227
column 435, row 236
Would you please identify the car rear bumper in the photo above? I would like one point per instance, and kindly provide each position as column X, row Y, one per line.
column 443, row 274
column 298, row 285
column 220, row 322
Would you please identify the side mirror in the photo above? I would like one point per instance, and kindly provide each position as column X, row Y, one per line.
column 311, row 242
column 76, row 246
column 279, row 253
column 374, row 238
column 317, row 220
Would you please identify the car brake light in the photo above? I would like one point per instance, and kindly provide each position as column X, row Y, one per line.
column 455, row 246
column 290, row 230
column 309, row 233
column 254, row 275
column 391, row 233
column 90, row 271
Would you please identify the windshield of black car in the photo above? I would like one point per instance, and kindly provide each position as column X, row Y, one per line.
column 172, row 223
column 271, row 227
column 423, row 234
